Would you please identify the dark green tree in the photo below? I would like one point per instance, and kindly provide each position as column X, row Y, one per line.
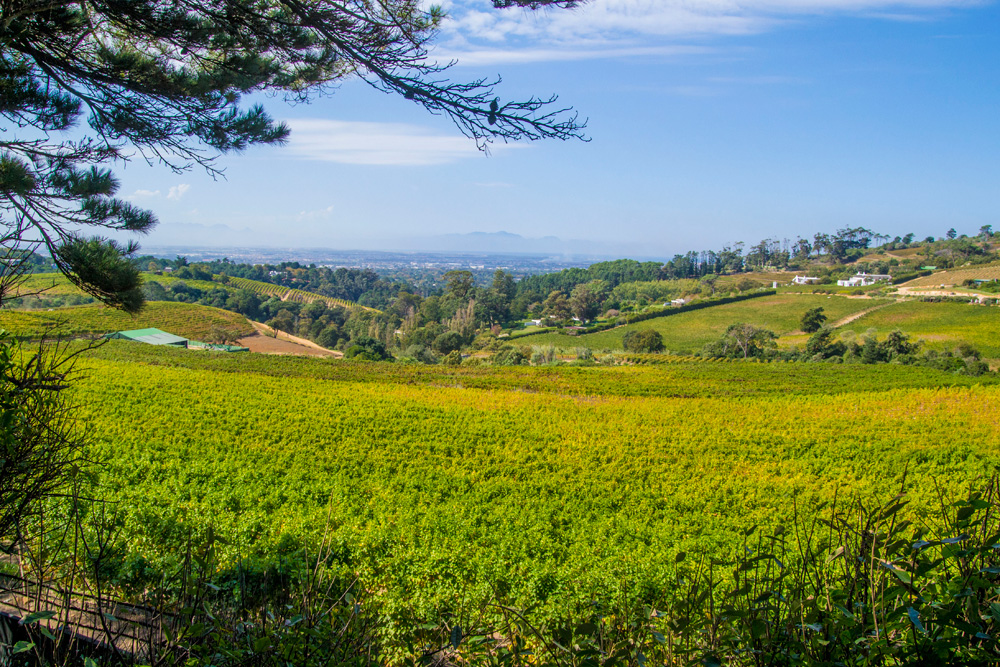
column 585, row 300
column 459, row 283
column 823, row 344
column 556, row 306
column 813, row 319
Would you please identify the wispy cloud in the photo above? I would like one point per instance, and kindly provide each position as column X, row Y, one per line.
column 178, row 191
column 319, row 214
column 773, row 80
column 351, row 142
column 477, row 34
column 143, row 194
column 533, row 55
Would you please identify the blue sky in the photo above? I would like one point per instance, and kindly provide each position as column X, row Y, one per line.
column 711, row 122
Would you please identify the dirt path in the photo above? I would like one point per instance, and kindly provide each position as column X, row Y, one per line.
column 935, row 291
column 844, row 321
column 264, row 342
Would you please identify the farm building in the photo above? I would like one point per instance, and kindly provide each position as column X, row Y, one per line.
column 149, row 336
column 158, row 337
column 864, row 279
column 805, row 280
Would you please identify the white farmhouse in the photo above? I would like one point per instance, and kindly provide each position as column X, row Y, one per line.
column 805, row 280
column 864, row 279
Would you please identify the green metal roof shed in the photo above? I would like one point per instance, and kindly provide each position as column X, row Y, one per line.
column 150, row 336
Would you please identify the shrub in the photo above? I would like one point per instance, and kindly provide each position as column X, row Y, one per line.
column 421, row 354
column 364, row 348
column 643, row 341
column 447, row 342
column 510, row 355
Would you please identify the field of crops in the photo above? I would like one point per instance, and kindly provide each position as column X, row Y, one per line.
column 688, row 332
column 545, row 487
column 957, row 276
column 939, row 325
column 186, row 320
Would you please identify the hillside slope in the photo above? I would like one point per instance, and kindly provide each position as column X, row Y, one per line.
column 183, row 319
column 690, row 331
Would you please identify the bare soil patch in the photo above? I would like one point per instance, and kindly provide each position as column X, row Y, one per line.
column 267, row 345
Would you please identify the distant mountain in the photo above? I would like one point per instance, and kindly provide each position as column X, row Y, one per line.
column 502, row 242
column 179, row 234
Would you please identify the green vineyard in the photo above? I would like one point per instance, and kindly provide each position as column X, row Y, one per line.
column 546, row 486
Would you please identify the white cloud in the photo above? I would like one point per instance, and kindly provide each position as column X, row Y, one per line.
column 178, row 191
column 143, row 194
column 551, row 54
column 475, row 31
column 350, row 142
column 319, row 214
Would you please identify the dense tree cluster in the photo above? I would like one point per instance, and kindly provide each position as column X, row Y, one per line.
column 745, row 341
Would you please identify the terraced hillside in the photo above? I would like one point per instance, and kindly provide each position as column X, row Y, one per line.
column 286, row 294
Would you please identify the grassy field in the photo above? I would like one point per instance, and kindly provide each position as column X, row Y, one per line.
column 545, row 487
column 939, row 325
column 187, row 320
column 688, row 332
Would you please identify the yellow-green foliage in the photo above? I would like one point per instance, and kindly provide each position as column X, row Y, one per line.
column 939, row 325
column 688, row 332
column 956, row 276
column 439, row 490
column 187, row 320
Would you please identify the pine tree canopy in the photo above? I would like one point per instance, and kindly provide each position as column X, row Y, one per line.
column 163, row 79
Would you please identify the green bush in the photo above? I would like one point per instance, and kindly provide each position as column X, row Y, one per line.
column 648, row 340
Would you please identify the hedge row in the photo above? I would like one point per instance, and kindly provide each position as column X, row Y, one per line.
column 906, row 277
